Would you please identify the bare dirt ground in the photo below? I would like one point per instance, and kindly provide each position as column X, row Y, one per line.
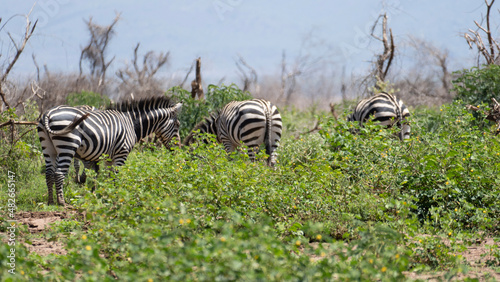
column 475, row 255
column 36, row 223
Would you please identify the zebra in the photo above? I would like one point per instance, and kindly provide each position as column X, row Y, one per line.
column 386, row 109
column 67, row 132
column 252, row 122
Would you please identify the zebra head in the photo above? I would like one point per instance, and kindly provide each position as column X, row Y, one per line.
column 170, row 127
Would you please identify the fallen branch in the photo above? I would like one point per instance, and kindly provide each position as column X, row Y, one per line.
column 315, row 128
column 12, row 122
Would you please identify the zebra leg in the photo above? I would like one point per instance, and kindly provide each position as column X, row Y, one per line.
column 252, row 150
column 79, row 178
column 63, row 164
column 271, row 161
column 49, row 179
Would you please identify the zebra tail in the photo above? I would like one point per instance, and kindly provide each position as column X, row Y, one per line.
column 269, row 130
column 68, row 129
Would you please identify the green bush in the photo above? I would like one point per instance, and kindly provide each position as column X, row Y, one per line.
column 338, row 206
column 477, row 85
column 88, row 98
column 193, row 111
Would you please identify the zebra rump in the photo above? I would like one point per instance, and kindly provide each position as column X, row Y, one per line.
column 384, row 108
column 251, row 123
column 87, row 134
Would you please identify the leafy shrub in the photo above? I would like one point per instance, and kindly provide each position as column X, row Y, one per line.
column 88, row 98
column 477, row 85
column 193, row 111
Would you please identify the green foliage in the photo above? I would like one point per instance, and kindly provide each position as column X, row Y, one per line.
column 477, row 85
column 88, row 98
column 338, row 206
column 383, row 86
column 193, row 111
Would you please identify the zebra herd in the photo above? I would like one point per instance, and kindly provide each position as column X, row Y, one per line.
column 84, row 133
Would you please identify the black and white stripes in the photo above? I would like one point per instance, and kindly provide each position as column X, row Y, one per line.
column 252, row 122
column 384, row 108
column 66, row 132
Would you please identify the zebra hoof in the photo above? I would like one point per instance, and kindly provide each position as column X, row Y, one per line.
column 61, row 202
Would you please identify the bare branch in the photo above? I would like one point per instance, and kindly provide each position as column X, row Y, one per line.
column 187, row 74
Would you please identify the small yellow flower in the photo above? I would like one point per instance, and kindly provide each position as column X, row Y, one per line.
column 463, row 159
column 295, row 207
column 404, row 203
column 449, row 233
column 397, row 256
column 471, row 170
column 22, row 272
column 420, row 241
column 447, row 182
column 371, row 261
column 88, row 248
column 384, row 269
column 318, row 237
column 181, row 221
column 441, row 110
column 157, row 208
column 122, row 200
column 222, row 239
column 256, row 257
column 150, row 280
column 297, row 243
column 90, row 271
column 484, row 211
column 84, row 237
column 323, row 254
column 188, row 221
column 100, row 230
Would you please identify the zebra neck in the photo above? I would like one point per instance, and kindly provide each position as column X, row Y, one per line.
column 146, row 123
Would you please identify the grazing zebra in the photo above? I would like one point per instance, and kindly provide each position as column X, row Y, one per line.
column 252, row 122
column 386, row 109
column 66, row 132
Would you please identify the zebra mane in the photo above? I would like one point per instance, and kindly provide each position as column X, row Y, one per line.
column 153, row 103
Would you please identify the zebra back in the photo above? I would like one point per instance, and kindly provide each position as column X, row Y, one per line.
column 384, row 108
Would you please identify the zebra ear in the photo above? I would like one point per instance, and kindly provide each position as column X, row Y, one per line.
column 177, row 108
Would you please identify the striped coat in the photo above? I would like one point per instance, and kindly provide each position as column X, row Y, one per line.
column 385, row 109
column 251, row 123
column 67, row 132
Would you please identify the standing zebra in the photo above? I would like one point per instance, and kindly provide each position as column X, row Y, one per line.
column 66, row 132
column 253, row 122
column 386, row 109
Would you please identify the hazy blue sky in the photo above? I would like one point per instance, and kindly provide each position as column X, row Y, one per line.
column 218, row 30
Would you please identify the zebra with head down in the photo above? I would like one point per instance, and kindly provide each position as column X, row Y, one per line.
column 252, row 122
column 67, row 132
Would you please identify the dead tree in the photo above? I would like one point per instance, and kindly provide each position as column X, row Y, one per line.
column 140, row 79
column 94, row 54
column 247, row 74
column 196, row 86
column 384, row 60
column 490, row 50
column 19, row 48
column 288, row 80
